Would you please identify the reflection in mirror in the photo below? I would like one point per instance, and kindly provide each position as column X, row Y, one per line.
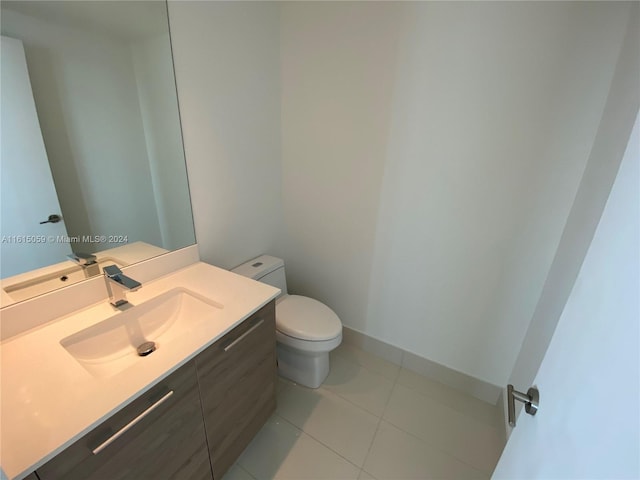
column 92, row 163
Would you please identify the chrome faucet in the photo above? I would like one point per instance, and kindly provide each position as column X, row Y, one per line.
column 87, row 261
column 118, row 284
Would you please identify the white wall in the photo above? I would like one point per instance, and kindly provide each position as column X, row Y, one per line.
column 338, row 63
column 85, row 92
column 161, row 120
column 227, row 71
column 431, row 154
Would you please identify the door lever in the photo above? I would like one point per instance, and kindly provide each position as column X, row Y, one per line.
column 531, row 400
column 52, row 219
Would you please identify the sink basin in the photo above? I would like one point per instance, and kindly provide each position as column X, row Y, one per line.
column 109, row 347
column 55, row 279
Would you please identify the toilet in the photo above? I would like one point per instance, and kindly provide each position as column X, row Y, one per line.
column 306, row 329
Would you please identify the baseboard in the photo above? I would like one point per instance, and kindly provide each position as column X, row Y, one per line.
column 460, row 381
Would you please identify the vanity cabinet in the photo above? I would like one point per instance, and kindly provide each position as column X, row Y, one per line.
column 159, row 435
column 191, row 426
column 237, row 377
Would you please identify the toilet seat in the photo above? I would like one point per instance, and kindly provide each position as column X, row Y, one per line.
column 304, row 318
column 308, row 347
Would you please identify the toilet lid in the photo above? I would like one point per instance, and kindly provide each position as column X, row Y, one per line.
column 306, row 319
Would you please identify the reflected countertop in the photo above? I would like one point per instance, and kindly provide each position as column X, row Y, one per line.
column 25, row 284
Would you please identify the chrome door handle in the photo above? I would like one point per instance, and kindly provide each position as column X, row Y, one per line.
column 52, row 219
column 531, row 401
column 131, row 424
column 239, row 339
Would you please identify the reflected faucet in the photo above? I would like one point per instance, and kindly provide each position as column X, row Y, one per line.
column 118, row 284
column 87, row 261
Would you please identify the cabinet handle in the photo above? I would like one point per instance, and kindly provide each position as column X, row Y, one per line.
column 239, row 339
column 130, row 425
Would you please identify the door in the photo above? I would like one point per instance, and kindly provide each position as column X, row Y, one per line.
column 588, row 423
column 27, row 192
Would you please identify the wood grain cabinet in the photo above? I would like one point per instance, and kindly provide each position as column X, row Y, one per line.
column 237, row 378
column 158, row 436
column 191, row 426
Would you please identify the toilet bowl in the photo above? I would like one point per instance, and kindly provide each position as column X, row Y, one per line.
column 306, row 329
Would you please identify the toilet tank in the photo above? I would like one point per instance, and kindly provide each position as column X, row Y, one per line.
column 265, row 269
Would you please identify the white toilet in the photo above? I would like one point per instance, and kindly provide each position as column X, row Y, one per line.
column 306, row 330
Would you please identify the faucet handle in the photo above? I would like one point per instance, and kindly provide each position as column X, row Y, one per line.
column 113, row 273
column 82, row 258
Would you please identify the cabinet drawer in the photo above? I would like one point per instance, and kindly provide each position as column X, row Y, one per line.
column 237, row 377
column 160, row 435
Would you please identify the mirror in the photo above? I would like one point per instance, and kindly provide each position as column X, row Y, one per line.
column 92, row 163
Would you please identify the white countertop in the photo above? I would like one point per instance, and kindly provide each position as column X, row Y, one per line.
column 48, row 400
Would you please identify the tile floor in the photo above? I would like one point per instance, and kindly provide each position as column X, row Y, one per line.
column 372, row 419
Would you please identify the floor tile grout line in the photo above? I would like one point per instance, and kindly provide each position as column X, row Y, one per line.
column 453, row 392
column 317, row 440
column 245, row 470
column 433, row 444
column 394, row 383
column 328, row 446
column 356, row 406
column 436, row 447
column 466, row 415
column 373, row 439
column 371, row 372
column 330, row 390
column 402, row 367
column 369, row 369
column 362, row 468
column 352, row 404
column 381, row 418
